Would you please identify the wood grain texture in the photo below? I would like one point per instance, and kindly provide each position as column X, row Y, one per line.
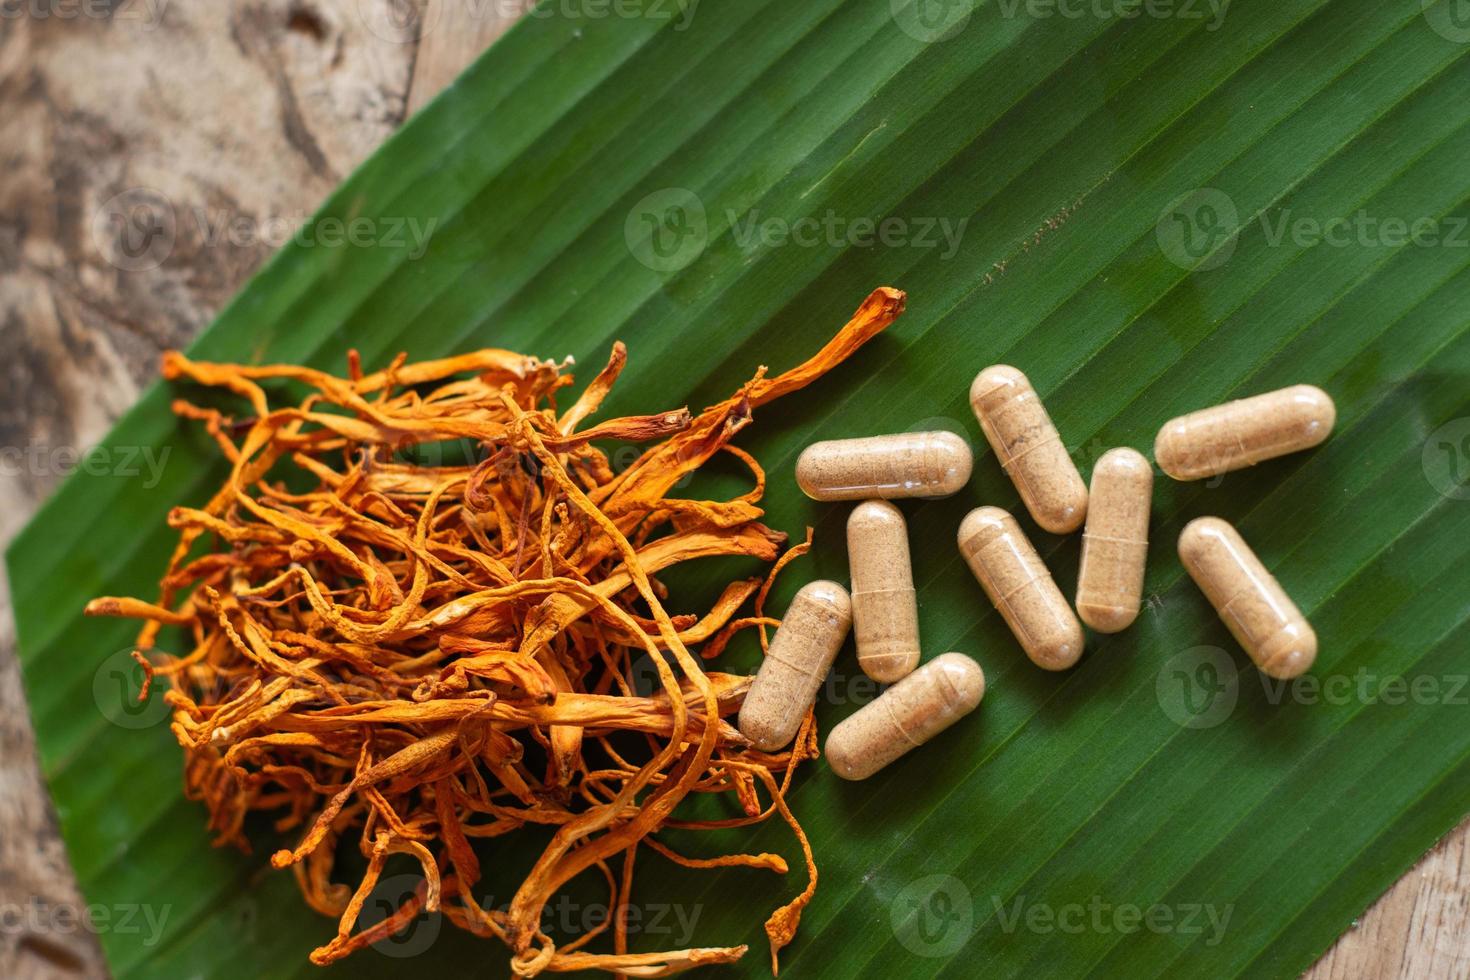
column 155, row 154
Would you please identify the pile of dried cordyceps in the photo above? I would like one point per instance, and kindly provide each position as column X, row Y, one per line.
column 381, row 656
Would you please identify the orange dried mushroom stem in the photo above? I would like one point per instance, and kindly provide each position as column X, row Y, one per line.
column 412, row 655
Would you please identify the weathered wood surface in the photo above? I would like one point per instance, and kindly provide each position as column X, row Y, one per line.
column 237, row 119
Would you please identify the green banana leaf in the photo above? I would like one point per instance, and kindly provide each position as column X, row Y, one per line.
column 1147, row 207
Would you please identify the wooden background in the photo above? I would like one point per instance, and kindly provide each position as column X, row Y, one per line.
column 243, row 115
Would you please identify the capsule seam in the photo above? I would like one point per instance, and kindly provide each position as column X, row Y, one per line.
column 1244, row 593
column 954, row 691
column 1109, row 540
column 873, row 658
column 1251, row 459
column 1006, row 597
column 1047, row 440
column 857, row 592
column 898, row 725
column 800, row 670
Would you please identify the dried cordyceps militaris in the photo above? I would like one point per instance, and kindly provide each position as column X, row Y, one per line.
column 418, row 656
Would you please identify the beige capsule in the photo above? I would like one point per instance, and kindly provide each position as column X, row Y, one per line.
column 1248, row 598
column 1243, row 433
column 796, row 664
column 1029, row 449
column 1019, row 585
column 906, row 716
column 906, row 464
column 885, row 610
column 1115, row 540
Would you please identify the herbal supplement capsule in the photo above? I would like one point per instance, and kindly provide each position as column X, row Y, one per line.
column 1243, row 433
column 1021, row 588
column 1115, row 540
column 908, row 464
column 1029, row 449
column 885, row 611
column 906, row 715
column 1248, row 598
column 801, row 653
